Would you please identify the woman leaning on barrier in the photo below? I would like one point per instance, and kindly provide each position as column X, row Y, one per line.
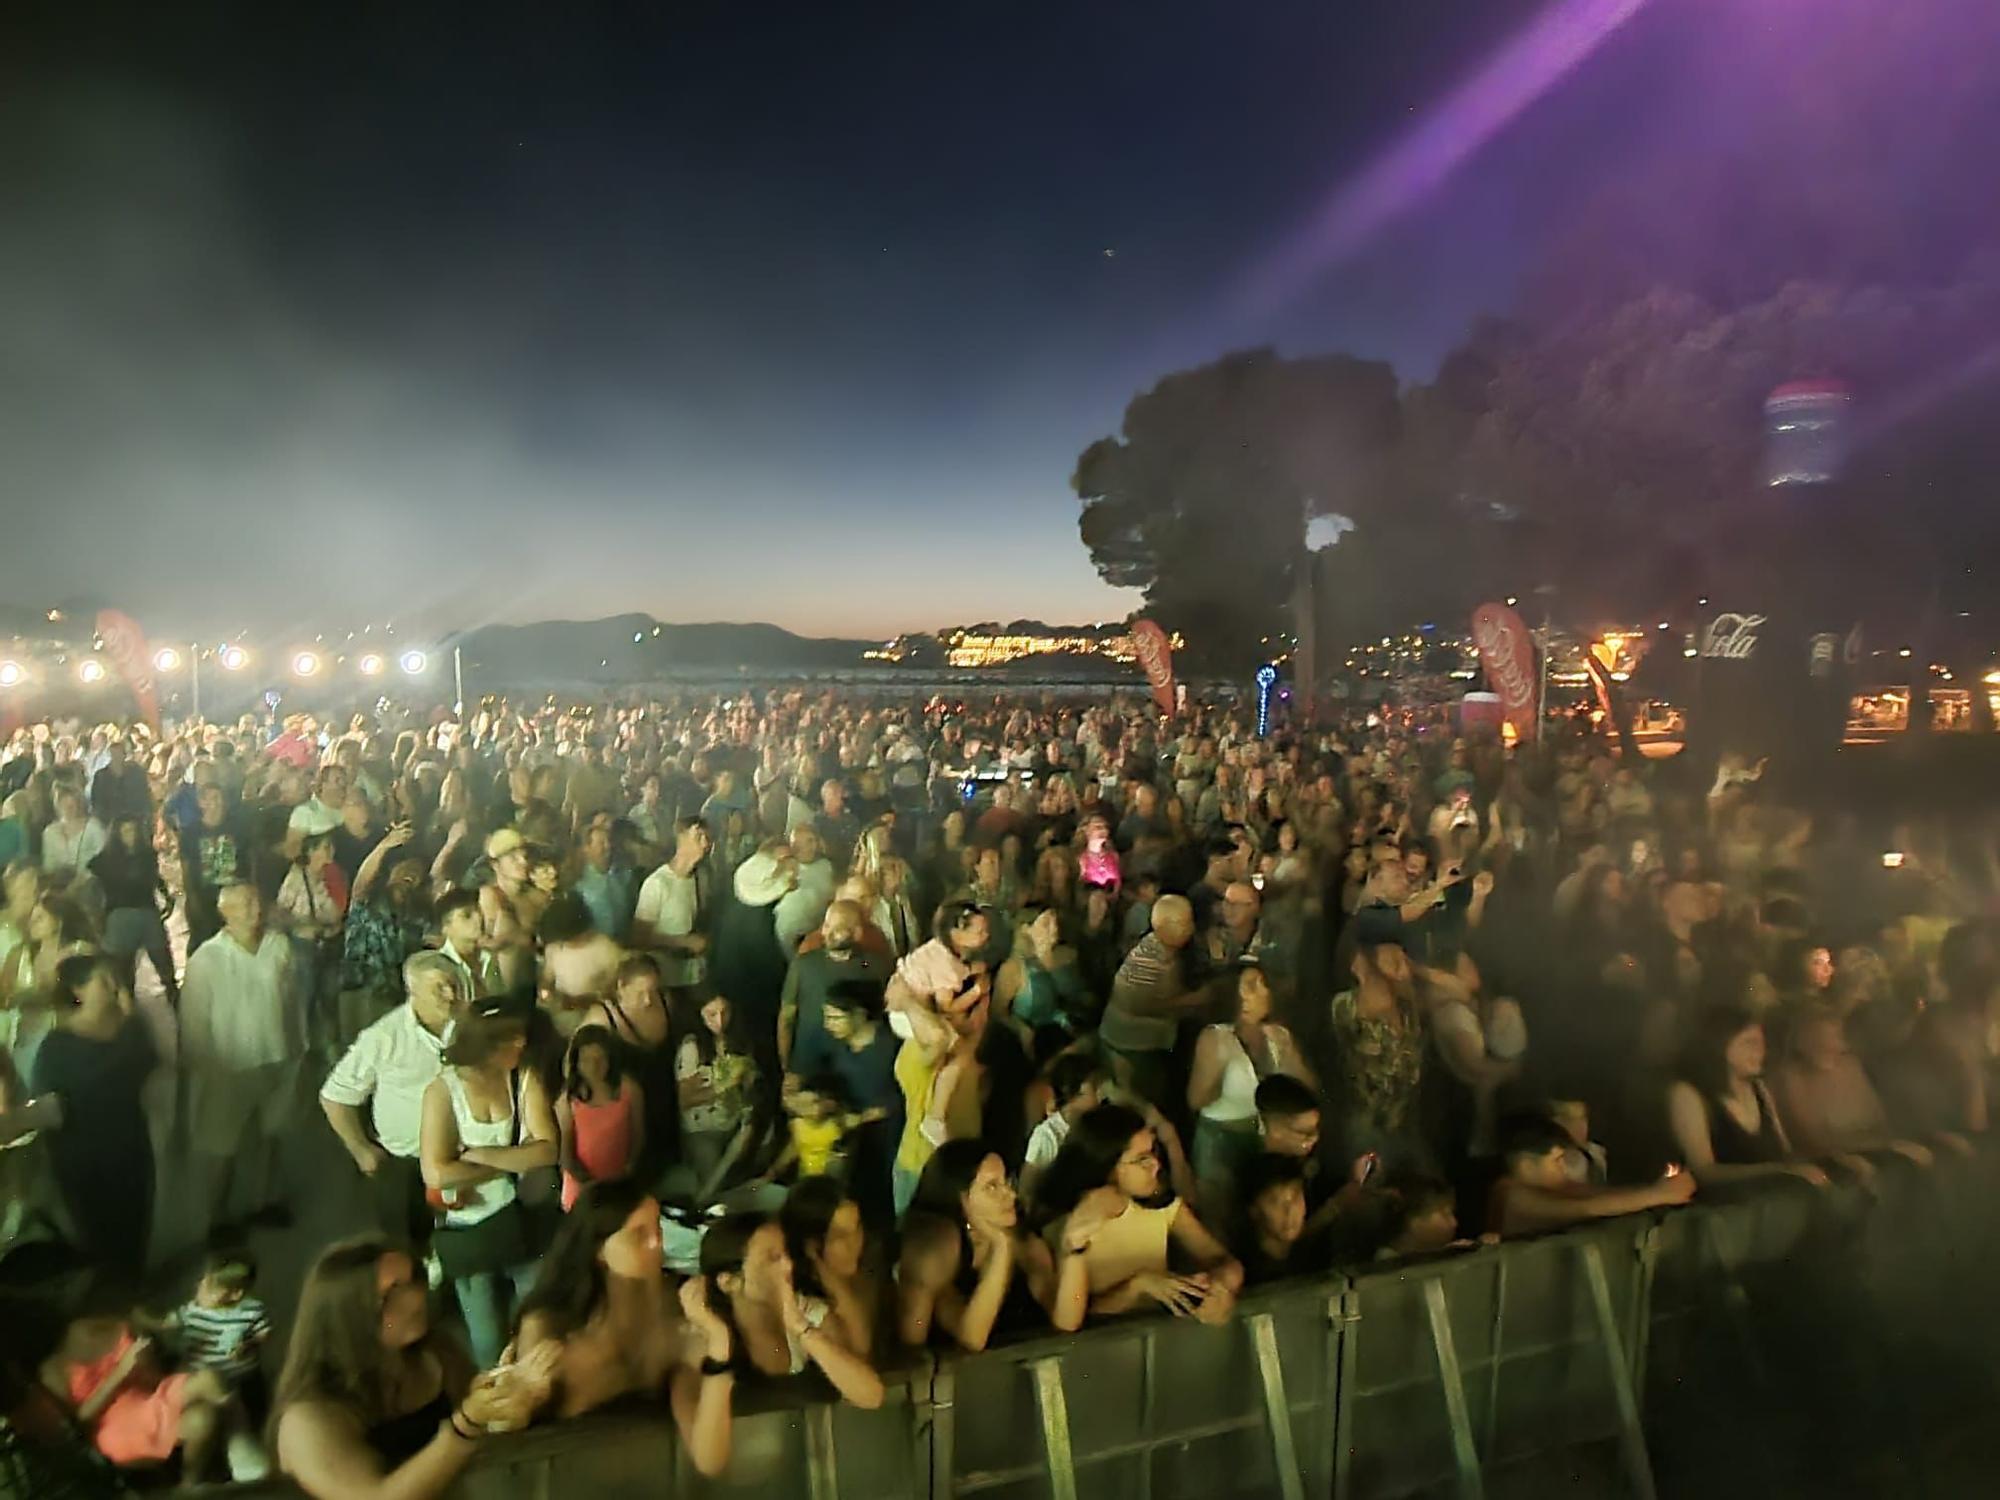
column 1724, row 1122
column 828, row 1244
column 600, row 1310
column 1097, row 1195
column 966, row 1265
column 774, row 1331
column 373, row 1404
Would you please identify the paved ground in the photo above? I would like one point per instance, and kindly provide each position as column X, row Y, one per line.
column 325, row 1191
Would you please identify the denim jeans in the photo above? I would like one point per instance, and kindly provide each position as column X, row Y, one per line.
column 903, row 1187
column 486, row 1302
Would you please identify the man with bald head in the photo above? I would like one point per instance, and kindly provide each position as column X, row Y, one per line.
column 838, row 957
column 1149, row 1000
column 242, row 1034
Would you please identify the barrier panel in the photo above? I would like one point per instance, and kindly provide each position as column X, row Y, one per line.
column 1762, row 1343
column 1458, row 1367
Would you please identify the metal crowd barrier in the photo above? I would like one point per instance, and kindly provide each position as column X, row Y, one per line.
column 1536, row 1366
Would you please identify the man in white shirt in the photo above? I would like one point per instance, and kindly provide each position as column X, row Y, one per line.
column 803, row 907
column 387, row 1070
column 242, row 1033
column 668, row 919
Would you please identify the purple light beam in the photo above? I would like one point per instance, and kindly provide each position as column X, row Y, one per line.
column 1561, row 38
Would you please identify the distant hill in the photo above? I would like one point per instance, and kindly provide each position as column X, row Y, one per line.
column 628, row 647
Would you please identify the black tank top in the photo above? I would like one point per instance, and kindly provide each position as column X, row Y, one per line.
column 400, row 1439
column 1019, row 1313
column 1736, row 1147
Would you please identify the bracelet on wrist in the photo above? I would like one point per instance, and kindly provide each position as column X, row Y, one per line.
column 711, row 1366
column 458, row 1421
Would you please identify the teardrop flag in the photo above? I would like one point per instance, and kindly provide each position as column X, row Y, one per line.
column 125, row 644
column 1156, row 655
column 1507, row 651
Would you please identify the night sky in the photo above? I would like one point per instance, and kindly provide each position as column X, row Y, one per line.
column 317, row 314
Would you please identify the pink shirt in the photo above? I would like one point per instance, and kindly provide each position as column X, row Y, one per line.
column 1100, row 867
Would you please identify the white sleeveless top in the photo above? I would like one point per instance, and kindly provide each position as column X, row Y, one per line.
column 1237, row 1100
column 482, row 1200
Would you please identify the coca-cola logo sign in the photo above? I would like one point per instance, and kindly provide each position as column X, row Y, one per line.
column 1156, row 657
column 1732, row 637
column 1508, row 653
column 1152, row 650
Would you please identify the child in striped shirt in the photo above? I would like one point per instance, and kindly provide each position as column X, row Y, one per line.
column 224, row 1327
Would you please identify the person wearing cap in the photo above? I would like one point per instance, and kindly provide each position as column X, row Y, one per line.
column 386, row 1071
column 501, row 904
column 749, row 966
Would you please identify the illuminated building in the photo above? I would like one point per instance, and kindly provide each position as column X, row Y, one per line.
column 998, row 645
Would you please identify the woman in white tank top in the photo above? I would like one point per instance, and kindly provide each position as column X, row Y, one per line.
column 1229, row 1062
column 486, row 1120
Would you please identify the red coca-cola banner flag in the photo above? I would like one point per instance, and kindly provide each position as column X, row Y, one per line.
column 1157, row 657
column 1507, row 651
column 125, row 644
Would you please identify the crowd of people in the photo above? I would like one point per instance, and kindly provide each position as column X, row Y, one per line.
column 697, row 1043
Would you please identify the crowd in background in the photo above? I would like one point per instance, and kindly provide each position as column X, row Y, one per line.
column 694, row 1043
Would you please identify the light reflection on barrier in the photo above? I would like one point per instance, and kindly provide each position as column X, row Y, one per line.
column 1544, row 1359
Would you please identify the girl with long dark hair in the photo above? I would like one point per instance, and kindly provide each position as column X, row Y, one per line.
column 968, row 1267
column 1098, row 1198
column 373, row 1403
column 601, row 1114
column 1724, row 1122
column 601, row 1305
column 828, row 1245
column 775, row 1331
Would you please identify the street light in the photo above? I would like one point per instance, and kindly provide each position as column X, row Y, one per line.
column 305, row 664
column 371, row 665
column 166, row 659
column 91, row 672
column 414, row 662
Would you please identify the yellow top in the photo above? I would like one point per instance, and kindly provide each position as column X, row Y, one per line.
column 817, row 1142
column 917, row 1071
column 1135, row 1241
